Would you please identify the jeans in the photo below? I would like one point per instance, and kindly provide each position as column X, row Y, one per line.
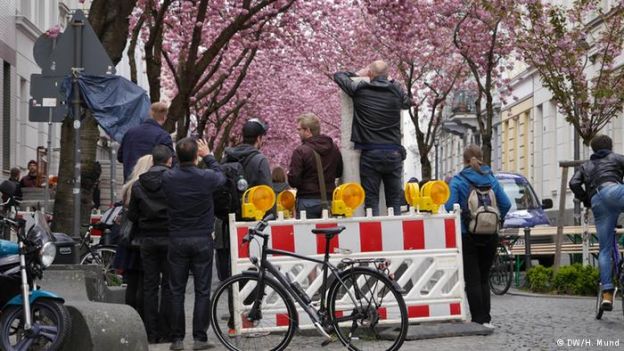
column 312, row 207
column 190, row 254
column 607, row 205
column 478, row 253
column 377, row 166
column 156, row 278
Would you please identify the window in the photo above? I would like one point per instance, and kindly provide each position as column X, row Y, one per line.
column 520, row 194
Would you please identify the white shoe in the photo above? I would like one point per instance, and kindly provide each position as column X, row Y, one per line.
column 489, row 325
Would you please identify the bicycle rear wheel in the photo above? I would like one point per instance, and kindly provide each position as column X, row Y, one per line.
column 501, row 272
column 367, row 312
column 277, row 321
column 104, row 256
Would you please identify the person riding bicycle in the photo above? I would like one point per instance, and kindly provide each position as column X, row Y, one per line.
column 598, row 184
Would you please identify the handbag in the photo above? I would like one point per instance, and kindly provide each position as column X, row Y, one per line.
column 127, row 230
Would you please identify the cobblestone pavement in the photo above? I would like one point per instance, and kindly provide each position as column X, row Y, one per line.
column 523, row 323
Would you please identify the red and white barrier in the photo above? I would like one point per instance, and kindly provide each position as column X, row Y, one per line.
column 424, row 251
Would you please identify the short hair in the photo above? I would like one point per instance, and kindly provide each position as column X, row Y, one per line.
column 32, row 162
column 310, row 121
column 159, row 110
column 378, row 68
column 601, row 142
column 278, row 175
column 161, row 154
column 15, row 172
column 186, row 149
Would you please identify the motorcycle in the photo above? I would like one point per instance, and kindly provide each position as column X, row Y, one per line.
column 30, row 318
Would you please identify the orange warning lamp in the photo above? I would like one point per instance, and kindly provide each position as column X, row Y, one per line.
column 346, row 199
column 286, row 203
column 430, row 197
column 256, row 201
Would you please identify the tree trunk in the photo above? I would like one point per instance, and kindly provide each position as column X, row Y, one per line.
column 425, row 165
column 109, row 19
column 486, row 147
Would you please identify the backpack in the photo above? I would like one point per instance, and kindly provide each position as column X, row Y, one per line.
column 228, row 197
column 481, row 213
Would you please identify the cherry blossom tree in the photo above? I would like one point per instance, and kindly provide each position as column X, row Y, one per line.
column 484, row 35
column 426, row 61
column 199, row 45
column 576, row 61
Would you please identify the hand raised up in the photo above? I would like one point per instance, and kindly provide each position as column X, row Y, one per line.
column 202, row 148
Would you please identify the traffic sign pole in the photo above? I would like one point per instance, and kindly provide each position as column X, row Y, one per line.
column 76, row 69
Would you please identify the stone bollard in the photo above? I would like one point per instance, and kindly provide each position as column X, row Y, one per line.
column 103, row 327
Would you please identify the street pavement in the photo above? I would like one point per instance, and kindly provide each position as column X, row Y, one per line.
column 523, row 323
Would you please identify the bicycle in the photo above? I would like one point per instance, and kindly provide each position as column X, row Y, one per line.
column 618, row 278
column 352, row 307
column 100, row 254
column 501, row 272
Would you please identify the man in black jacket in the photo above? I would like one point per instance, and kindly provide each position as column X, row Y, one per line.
column 376, row 130
column 303, row 170
column 148, row 209
column 191, row 221
column 140, row 140
column 598, row 183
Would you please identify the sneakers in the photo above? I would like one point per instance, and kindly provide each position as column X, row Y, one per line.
column 489, row 325
column 607, row 300
column 202, row 345
column 177, row 345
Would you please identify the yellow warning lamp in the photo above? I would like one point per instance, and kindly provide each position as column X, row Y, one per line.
column 431, row 196
column 412, row 194
column 256, row 201
column 346, row 199
column 286, row 203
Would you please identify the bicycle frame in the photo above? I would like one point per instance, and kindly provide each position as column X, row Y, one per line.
column 265, row 266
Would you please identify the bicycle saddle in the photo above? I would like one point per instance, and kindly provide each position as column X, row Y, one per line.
column 328, row 231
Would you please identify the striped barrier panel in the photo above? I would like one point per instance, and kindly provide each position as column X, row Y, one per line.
column 424, row 251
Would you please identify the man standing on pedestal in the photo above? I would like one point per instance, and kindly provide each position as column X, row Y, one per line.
column 376, row 131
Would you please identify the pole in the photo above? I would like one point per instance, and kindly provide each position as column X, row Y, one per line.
column 577, row 156
column 46, row 192
column 437, row 176
column 527, row 248
column 76, row 69
column 113, row 169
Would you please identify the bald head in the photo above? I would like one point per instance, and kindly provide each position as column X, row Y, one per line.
column 378, row 68
column 158, row 111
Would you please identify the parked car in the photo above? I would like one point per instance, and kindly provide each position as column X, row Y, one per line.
column 526, row 209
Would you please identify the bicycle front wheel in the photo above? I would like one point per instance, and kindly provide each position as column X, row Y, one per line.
column 501, row 272
column 366, row 310
column 599, row 309
column 270, row 329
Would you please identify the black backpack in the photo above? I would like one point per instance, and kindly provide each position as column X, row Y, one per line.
column 228, row 197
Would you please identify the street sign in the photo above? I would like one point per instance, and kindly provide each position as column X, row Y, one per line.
column 95, row 60
column 44, row 45
column 46, row 103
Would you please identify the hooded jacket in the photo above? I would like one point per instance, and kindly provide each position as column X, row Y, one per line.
column 603, row 166
column 148, row 204
column 460, row 189
column 256, row 165
column 377, row 109
column 302, row 173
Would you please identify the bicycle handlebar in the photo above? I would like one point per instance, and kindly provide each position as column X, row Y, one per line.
column 258, row 228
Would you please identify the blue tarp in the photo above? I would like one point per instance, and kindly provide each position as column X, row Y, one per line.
column 117, row 103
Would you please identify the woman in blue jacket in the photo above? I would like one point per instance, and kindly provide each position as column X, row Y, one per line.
column 478, row 249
